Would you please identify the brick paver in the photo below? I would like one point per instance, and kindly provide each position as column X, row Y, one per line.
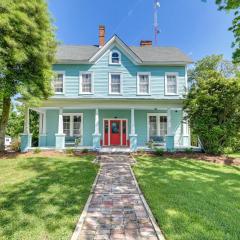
column 116, row 210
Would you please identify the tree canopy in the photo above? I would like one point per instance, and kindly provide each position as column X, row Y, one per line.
column 234, row 5
column 27, row 50
column 213, row 103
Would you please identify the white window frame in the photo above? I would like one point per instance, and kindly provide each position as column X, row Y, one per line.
column 138, row 83
column 166, row 75
column 110, row 83
column 63, row 92
column 110, row 57
column 158, row 115
column 71, row 123
column 80, row 83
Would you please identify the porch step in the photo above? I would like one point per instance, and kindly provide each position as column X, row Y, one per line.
column 114, row 150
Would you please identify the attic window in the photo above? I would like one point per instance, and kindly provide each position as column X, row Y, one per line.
column 115, row 57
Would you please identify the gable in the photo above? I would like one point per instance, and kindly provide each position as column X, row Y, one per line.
column 116, row 42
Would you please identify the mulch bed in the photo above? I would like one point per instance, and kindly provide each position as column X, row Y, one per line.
column 9, row 155
column 202, row 157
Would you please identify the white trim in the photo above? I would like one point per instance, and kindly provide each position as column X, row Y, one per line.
column 110, row 57
column 165, row 83
column 109, row 83
column 158, row 122
column 149, row 83
column 122, row 45
column 80, row 83
column 112, row 119
column 71, row 123
column 186, row 78
column 63, row 92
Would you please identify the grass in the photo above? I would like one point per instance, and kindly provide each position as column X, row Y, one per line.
column 234, row 155
column 42, row 197
column 192, row 199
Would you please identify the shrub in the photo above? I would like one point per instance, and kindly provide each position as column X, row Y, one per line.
column 150, row 144
column 37, row 150
column 212, row 104
column 189, row 150
column 159, row 151
column 15, row 145
column 69, row 151
column 85, row 150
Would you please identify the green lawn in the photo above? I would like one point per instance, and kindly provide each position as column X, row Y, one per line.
column 192, row 199
column 234, row 155
column 42, row 198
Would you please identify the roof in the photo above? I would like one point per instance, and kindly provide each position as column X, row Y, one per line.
column 75, row 53
column 160, row 54
column 143, row 55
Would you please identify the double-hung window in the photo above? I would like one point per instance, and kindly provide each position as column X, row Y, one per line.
column 58, row 82
column 171, row 84
column 115, row 83
column 157, row 126
column 86, row 83
column 72, row 124
column 143, row 83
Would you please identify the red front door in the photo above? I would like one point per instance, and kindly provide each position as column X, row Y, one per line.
column 115, row 132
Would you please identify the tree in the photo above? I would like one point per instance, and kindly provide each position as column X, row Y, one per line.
column 16, row 122
column 213, row 103
column 27, row 50
column 229, row 5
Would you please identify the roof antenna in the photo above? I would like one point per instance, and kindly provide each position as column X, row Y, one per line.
column 156, row 25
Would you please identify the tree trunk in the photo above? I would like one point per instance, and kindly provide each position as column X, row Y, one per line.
column 4, row 120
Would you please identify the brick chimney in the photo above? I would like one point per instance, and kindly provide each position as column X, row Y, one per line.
column 144, row 43
column 101, row 35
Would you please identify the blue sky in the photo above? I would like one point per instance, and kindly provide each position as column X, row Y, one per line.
column 198, row 28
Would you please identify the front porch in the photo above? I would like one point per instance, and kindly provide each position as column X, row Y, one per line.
column 108, row 128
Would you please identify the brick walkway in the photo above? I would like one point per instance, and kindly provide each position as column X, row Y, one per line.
column 116, row 210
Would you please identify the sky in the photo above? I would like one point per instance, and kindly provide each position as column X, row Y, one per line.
column 195, row 26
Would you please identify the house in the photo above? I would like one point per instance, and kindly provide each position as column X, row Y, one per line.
column 115, row 95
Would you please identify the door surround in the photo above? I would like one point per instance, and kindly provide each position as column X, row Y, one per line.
column 121, row 132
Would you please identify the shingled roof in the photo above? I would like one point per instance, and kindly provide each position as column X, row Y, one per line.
column 147, row 54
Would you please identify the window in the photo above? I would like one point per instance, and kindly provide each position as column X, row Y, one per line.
column 86, row 83
column 72, row 125
column 115, row 83
column 157, row 126
column 58, row 83
column 115, row 57
column 143, row 82
column 171, row 86
column 66, row 125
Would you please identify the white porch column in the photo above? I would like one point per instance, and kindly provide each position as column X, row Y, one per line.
column 42, row 129
column 26, row 121
column 132, row 122
column 26, row 137
column 185, row 127
column 133, row 135
column 169, row 120
column 60, row 136
column 40, row 123
column 60, row 121
column 96, row 135
column 96, row 122
column 44, row 123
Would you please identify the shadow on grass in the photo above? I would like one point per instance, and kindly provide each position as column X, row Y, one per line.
column 49, row 204
column 192, row 199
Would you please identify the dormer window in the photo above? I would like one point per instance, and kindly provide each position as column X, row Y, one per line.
column 115, row 58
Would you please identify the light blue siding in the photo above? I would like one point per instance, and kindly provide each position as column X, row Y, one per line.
column 89, row 124
column 52, row 125
column 129, row 71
